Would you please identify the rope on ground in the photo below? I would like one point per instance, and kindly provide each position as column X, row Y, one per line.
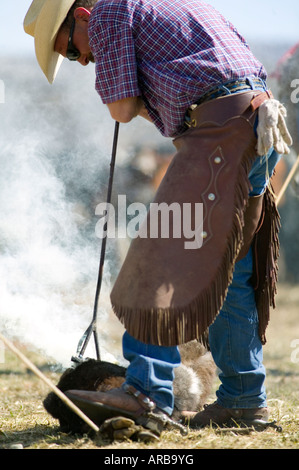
column 48, row 382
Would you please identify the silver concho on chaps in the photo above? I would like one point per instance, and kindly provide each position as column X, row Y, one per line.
column 166, row 294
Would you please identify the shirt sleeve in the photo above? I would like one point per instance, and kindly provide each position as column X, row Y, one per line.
column 115, row 62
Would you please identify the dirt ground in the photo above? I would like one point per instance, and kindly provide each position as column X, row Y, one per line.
column 24, row 424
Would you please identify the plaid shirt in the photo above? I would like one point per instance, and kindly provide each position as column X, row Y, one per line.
column 169, row 52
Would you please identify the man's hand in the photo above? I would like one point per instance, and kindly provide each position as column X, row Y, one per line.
column 120, row 428
column 127, row 109
column 272, row 130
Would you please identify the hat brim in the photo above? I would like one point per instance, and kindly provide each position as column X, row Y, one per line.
column 47, row 25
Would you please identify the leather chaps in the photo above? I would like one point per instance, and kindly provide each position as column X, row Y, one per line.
column 167, row 294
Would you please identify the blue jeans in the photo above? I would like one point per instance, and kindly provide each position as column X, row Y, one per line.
column 234, row 339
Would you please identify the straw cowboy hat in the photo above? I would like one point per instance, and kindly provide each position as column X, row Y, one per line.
column 43, row 21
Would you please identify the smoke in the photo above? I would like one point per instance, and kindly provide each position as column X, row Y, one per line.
column 55, row 152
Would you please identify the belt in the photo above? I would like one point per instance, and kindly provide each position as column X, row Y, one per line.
column 231, row 87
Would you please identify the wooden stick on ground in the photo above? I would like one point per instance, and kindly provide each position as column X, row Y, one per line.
column 48, row 382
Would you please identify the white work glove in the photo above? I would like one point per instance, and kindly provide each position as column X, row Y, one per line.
column 272, row 130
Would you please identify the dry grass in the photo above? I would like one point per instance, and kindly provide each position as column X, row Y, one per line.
column 24, row 421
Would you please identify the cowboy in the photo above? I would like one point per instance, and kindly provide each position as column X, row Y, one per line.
column 185, row 68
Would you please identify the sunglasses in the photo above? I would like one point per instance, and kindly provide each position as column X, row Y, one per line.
column 72, row 52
